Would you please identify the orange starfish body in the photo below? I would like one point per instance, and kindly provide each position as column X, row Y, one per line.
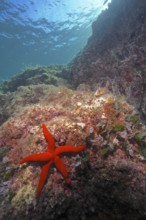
column 49, row 157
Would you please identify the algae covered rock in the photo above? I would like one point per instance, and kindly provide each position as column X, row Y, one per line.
column 34, row 76
column 111, row 168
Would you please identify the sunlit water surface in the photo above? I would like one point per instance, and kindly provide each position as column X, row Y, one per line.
column 43, row 32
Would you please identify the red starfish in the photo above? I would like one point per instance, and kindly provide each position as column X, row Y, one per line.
column 49, row 157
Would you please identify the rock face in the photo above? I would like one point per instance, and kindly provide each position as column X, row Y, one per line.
column 116, row 53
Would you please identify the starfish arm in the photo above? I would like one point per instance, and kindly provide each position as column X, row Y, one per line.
column 61, row 167
column 68, row 148
column 49, row 138
column 37, row 157
column 43, row 177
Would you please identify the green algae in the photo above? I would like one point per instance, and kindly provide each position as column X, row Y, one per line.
column 3, row 152
column 139, row 137
column 86, row 157
column 135, row 120
column 119, row 127
column 124, row 145
column 8, row 174
column 105, row 152
column 11, row 194
column 142, row 151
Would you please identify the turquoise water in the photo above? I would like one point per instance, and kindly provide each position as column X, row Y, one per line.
column 43, row 32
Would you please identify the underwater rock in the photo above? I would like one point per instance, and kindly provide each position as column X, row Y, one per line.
column 13, row 102
column 106, row 186
column 50, row 75
column 116, row 53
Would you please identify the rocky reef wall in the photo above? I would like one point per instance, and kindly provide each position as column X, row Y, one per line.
column 115, row 54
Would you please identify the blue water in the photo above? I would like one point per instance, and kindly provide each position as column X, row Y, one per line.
column 43, row 32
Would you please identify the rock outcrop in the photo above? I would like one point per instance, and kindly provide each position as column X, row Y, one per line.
column 116, row 53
